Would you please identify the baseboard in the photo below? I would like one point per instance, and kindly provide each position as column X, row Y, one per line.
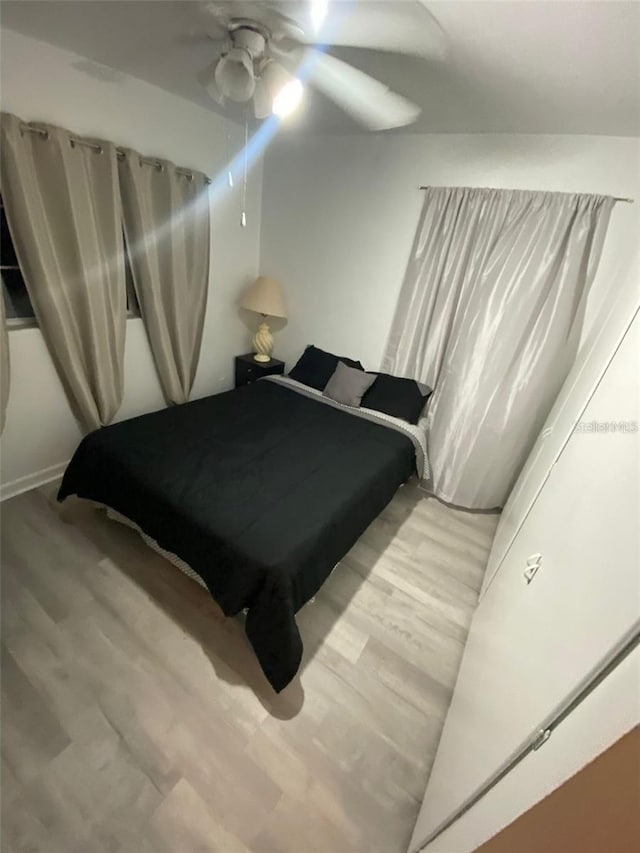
column 31, row 481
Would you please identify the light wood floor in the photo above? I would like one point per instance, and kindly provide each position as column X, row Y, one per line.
column 135, row 718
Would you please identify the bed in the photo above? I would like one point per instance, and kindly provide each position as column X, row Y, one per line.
column 260, row 491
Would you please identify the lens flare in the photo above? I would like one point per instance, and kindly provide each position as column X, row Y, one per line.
column 288, row 98
column 318, row 13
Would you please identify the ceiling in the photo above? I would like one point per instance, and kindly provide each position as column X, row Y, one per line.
column 514, row 67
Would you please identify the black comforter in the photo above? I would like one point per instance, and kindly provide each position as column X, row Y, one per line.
column 260, row 490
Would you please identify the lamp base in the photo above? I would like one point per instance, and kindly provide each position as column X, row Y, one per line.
column 262, row 344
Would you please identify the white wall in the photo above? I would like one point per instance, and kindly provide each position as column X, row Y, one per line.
column 339, row 216
column 41, row 82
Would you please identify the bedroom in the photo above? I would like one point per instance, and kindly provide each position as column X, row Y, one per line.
column 127, row 696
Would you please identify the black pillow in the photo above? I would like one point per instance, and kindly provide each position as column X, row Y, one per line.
column 393, row 395
column 315, row 367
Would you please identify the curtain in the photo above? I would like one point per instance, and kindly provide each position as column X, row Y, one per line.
column 489, row 316
column 4, row 364
column 166, row 224
column 62, row 204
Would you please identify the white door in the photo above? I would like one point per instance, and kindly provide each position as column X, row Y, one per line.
column 531, row 643
column 605, row 716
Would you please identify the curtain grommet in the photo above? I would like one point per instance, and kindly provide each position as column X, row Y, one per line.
column 42, row 133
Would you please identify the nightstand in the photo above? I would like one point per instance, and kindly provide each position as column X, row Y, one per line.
column 248, row 369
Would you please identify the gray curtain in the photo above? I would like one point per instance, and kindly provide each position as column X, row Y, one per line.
column 4, row 364
column 489, row 316
column 166, row 223
column 62, row 203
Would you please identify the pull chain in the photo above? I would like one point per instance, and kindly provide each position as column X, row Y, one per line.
column 227, row 141
column 243, row 215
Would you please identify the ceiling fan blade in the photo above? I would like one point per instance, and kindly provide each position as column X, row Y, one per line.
column 397, row 27
column 366, row 99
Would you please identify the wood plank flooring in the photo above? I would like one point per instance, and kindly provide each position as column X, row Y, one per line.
column 135, row 718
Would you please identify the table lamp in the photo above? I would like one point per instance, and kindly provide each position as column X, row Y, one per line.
column 264, row 297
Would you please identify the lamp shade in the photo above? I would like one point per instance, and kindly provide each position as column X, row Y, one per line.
column 265, row 297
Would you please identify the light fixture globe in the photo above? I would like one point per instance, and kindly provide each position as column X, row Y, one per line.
column 274, row 76
column 207, row 79
column 283, row 89
column 234, row 75
column 261, row 100
column 288, row 98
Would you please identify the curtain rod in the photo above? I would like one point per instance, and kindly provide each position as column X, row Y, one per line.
column 615, row 198
column 120, row 152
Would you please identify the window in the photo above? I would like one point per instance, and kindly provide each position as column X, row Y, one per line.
column 133, row 309
column 16, row 299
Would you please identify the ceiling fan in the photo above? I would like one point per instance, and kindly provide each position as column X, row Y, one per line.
column 268, row 52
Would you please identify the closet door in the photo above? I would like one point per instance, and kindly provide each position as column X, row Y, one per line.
column 607, row 714
column 538, row 633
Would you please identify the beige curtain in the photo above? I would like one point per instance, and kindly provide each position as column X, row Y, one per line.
column 4, row 364
column 166, row 223
column 63, row 209
column 489, row 316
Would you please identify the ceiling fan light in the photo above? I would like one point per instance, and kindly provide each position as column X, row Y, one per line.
column 274, row 77
column 234, row 75
column 288, row 98
column 207, row 80
column 283, row 89
column 261, row 100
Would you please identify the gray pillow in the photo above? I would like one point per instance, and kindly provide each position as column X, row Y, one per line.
column 348, row 385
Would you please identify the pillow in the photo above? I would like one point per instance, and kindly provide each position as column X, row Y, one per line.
column 315, row 367
column 348, row 384
column 393, row 395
